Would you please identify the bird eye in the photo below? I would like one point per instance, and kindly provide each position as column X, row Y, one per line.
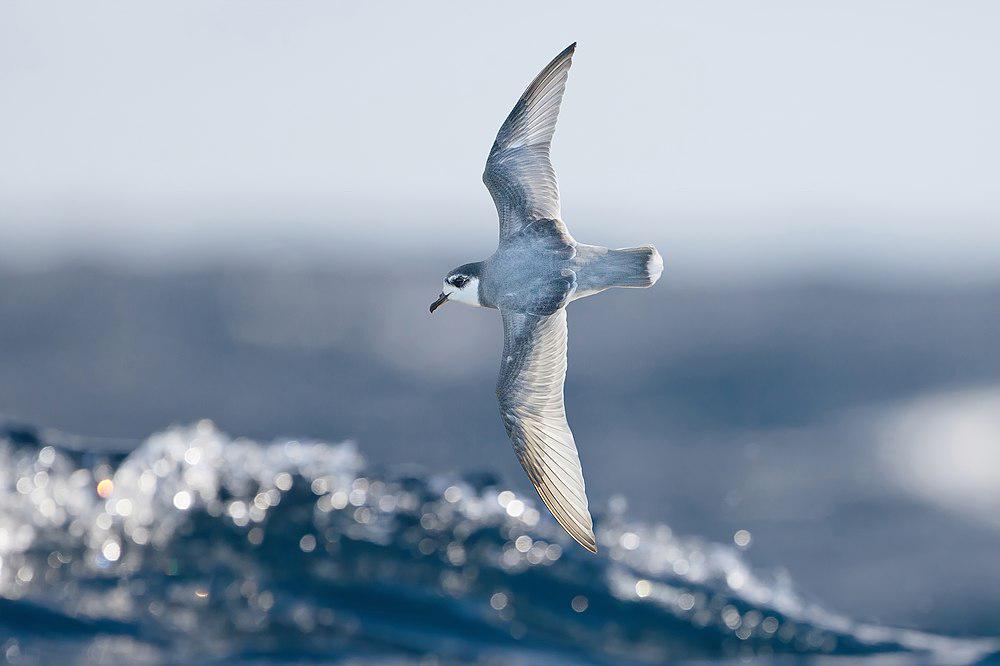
column 459, row 281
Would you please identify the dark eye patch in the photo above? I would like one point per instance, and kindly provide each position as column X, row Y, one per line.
column 459, row 281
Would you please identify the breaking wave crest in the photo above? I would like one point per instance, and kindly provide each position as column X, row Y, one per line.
column 197, row 548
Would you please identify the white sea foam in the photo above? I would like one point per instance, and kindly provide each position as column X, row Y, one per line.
column 196, row 543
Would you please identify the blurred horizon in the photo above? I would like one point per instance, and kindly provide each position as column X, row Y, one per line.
column 785, row 257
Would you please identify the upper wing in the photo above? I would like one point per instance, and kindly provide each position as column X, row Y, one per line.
column 530, row 390
column 519, row 174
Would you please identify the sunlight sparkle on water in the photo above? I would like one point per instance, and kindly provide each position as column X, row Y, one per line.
column 126, row 550
column 105, row 487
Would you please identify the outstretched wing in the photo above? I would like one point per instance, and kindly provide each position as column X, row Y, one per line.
column 519, row 174
column 530, row 390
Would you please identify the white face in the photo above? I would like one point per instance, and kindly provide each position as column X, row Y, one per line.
column 462, row 289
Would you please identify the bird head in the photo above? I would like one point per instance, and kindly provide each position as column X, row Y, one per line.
column 460, row 285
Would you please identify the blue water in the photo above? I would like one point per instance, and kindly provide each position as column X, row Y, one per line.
column 199, row 548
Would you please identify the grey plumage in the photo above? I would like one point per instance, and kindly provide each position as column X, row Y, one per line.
column 530, row 391
column 519, row 173
column 535, row 272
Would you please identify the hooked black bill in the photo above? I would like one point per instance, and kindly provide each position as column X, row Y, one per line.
column 439, row 302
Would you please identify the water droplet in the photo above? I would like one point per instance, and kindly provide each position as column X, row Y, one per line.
column 182, row 500
column 111, row 550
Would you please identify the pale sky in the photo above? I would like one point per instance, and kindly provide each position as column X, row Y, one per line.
column 746, row 137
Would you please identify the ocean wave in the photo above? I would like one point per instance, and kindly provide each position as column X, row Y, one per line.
column 196, row 547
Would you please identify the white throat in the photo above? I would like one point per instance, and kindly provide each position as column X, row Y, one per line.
column 468, row 294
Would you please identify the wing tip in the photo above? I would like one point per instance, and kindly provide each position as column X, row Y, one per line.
column 563, row 60
column 566, row 54
column 581, row 534
column 589, row 545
